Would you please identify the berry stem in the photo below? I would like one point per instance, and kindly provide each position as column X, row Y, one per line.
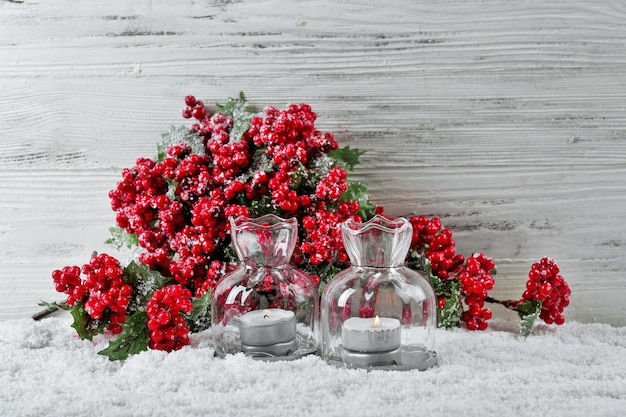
column 506, row 303
column 510, row 304
column 50, row 309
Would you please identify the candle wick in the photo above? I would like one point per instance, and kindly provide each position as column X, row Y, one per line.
column 265, row 316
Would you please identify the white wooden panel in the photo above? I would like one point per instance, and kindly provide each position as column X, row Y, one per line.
column 506, row 119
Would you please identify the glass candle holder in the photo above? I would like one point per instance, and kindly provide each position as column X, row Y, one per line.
column 266, row 307
column 378, row 313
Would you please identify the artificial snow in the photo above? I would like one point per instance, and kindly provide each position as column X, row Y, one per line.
column 572, row 370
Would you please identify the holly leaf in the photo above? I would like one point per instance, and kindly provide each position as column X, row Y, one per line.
column 529, row 313
column 50, row 308
column 450, row 315
column 121, row 238
column 358, row 192
column 326, row 272
column 161, row 150
column 54, row 306
column 177, row 135
column 172, row 186
column 136, row 273
column 345, row 157
column 84, row 325
column 415, row 260
column 81, row 321
column 238, row 110
column 262, row 206
column 199, row 318
column 133, row 338
column 144, row 281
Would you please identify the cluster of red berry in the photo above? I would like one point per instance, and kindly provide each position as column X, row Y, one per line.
column 475, row 281
column 432, row 240
column 324, row 242
column 180, row 205
column 103, row 291
column 436, row 243
column 545, row 284
column 168, row 329
column 474, row 276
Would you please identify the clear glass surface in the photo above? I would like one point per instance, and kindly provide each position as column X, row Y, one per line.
column 378, row 284
column 265, row 280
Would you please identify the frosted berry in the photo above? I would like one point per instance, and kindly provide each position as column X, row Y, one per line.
column 190, row 101
column 102, row 290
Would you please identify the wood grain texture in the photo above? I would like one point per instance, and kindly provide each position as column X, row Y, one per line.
column 506, row 119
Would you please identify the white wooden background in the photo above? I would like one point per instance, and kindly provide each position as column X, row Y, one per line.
column 505, row 118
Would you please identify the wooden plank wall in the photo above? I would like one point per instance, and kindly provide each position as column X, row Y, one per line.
column 505, row 118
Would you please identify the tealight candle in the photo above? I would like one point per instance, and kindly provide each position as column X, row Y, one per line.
column 270, row 332
column 371, row 341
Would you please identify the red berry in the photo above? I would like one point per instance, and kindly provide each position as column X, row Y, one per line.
column 190, row 101
column 163, row 317
column 545, row 289
column 198, row 113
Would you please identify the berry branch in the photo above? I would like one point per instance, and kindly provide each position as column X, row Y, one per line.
column 462, row 285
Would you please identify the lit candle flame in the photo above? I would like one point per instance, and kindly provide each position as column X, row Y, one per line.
column 266, row 314
column 376, row 321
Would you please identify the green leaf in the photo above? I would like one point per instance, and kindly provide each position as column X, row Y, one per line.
column 529, row 313
column 172, row 186
column 133, row 338
column 144, row 281
column 120, row 238
column 358, row 192
column 84, row 325
column 450, row 315
column 239, row 111
column 161, row 150
column 54, row 306
column 326, row 272
column 200, row 316
column 345, row 157
column 137, row 273
column 50, row 308
column 177, row 135
column 81, row 321
column 419, row 262
column 262, row 206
